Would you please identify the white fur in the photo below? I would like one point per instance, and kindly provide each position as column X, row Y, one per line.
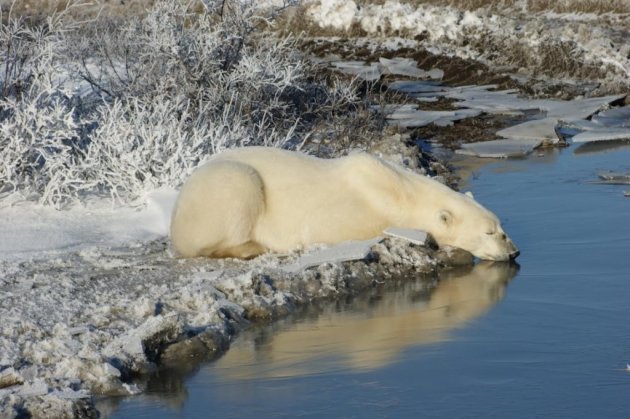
column 250, row 200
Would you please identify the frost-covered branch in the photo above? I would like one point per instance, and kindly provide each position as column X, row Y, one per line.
column 119, row 107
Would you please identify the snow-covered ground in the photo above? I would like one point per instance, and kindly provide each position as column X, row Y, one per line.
column 92, row 298
column 31, row 231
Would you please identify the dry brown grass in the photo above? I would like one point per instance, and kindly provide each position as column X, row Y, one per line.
column 460, row 4
column 135, row 7
column 580, row 6
column 79, row 7
column 561, row 6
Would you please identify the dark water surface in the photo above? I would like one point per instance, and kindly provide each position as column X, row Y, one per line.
column 551, row 340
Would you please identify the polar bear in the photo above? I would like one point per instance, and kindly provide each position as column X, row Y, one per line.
column 251, row 200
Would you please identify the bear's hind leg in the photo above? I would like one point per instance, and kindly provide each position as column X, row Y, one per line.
column 217, row 210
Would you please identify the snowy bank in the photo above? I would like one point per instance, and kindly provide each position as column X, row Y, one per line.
column 87, row 310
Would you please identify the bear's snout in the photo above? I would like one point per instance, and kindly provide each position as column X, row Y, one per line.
column 514, row 254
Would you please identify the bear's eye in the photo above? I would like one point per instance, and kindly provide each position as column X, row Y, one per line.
column 489, row 233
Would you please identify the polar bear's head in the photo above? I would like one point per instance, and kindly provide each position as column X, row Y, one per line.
column 464, row 223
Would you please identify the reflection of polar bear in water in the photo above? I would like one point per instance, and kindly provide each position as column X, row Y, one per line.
column 250, row 200
column 375, row 331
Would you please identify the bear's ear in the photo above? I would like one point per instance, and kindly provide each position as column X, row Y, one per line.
column 469, row 194
column 446, row 217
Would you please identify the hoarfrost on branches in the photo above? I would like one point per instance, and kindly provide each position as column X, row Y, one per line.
column 117, row 108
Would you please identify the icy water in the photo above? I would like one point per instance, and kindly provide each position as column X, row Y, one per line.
column 550, row 339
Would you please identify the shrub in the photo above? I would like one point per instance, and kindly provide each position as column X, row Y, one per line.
column 121, row 106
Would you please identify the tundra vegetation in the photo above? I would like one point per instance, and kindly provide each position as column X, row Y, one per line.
column 113, row 105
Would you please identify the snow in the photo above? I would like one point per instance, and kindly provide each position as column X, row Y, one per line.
column 30, row 231
column 338, row 14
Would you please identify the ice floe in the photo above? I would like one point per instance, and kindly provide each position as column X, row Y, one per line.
column 397, row 66
column 360, row 69
column 419, row 237
column 549, row 116
column 614, row 178
column 355, row 250
column 499, row 148
column 609, row 125
column 409, row 116
column 352, row 250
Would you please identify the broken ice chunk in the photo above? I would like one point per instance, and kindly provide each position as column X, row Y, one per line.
column 607, row 134
column 436, row 74
column 500, row 149
column 609, row 125
column 414, row 86
column 409, row 116
column 36, row 388
column 615, row 178
column 360, row 69
column 347, row 251
column 616, row 117
column 402, row 67
column 408, row 67
column 418, row 237
column 573, row 110
column 537, row 129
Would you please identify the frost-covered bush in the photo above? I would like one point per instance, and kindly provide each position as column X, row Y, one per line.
column 118, row 107
column 40, row 132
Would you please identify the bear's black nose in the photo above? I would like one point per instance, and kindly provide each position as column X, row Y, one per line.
column 514, row 255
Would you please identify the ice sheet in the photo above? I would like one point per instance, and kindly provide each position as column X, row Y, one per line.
column 606, row 134
column 351, row 250
column 398, row 66
column 418, row 237
column 477, row 99
column 610, row 125
column 409, row 116
column 360, row 69
column 500, row 148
